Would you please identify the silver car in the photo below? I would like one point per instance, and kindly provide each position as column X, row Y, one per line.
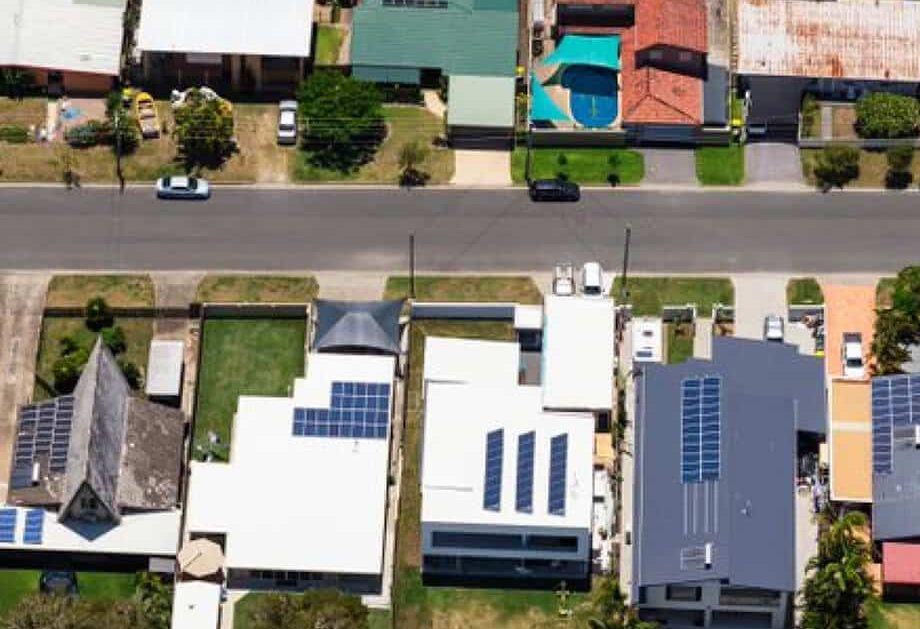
column 181, row 187
column 287, row 122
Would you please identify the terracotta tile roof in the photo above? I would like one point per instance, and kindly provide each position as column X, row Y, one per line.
column 901, row 563
column 677, row 23
column 653, row 96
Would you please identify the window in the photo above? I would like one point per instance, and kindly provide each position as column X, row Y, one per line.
column 684, row 593
column 685, row 56
column 89, row 503
column 499, row 541
column 655, row 55
column 552, row 542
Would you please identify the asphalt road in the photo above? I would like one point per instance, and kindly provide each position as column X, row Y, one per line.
column 457, row 230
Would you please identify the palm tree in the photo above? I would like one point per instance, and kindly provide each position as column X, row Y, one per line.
column 838, row 586
column 610, row 611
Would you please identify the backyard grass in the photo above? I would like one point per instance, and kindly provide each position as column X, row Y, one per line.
column 894, row 616
column 466, row 288
column 244, row 357
column 245, row 607
column 405, row 124
column 328, row 42
column 118, row 290
column 138, row 334
column 17, row 584
column 884, row 292
column 680, row 342
column 648, row 294
column 257, row 289
column 873, row 168
column 804, row 290
column 379, row 619
column 582, row 165
column 720, row 165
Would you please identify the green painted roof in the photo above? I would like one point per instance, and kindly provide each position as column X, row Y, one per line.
column 467, row 37
column 480, row 101
column 601, row 51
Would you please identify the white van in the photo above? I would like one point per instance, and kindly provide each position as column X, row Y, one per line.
column 592, row 280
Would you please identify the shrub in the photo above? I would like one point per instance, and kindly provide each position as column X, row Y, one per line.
column 900, row 157
column 811, row 113
column 14, row 134
column 836, row 166
column 90, row 134
column 114, row 339
column 132, row 372
column 882, row 115
column 68, row 345
column 67, row 370
column 562, row 159
column 98, row 314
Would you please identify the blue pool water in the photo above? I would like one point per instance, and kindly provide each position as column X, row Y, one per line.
column 592, row 95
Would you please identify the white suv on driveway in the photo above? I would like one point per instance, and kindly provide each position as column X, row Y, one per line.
column 287, row 122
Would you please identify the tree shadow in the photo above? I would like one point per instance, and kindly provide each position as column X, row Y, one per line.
column 898, row 179
column 211, row 160
column 413, row 178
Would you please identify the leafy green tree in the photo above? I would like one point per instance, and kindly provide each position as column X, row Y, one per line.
column 114, row 339
column 894, row 331
column 899, row 159
column 154, row 601
column 610, row 611
column 906, row 294
column 838, row 586
column 67, row 369
column 132, row 372
column 342, row 120
column 412, row 156
column 837, row 165
column 98, row 314
column 883, row 115
column 204, row 131
column 325, row 609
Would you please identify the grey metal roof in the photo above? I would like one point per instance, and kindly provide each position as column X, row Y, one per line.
column 715, row 95
column 768, row 391
column 358, row 325
column 896, row 496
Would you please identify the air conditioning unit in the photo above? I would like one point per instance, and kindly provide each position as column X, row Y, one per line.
column 707, row 560
column 36, row 473
column 917, row 435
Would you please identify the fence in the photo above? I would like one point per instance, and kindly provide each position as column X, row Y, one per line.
column 462, row 310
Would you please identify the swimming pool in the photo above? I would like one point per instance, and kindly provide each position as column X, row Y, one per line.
column 592, row 95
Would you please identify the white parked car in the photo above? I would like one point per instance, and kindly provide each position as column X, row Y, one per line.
column 592, row 280
column 563, row 280
column 182, row 188
column 852, row 355
column 287, row 122
column 773, row 328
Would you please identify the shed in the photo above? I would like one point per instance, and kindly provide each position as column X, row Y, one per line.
column 164, row 369
column 480, row 101
column 357, row 326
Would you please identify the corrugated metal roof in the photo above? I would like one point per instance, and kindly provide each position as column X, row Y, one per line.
column 901, row 563
column 855, row 40
column 478, row 37
column 481, row 101
column 280, row 28
column 71, row 35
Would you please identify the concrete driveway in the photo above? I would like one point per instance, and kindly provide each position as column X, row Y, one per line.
column 482, row 168
column 757, row 296
column 670, row 166
column 772, row 164
column 22, row 300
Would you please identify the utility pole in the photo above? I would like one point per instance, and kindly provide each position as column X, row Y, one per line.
column 624, row 293
column 529, row 157
column 412, row 265
column 118, row 171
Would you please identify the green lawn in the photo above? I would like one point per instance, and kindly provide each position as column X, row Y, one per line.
column 244, row 357
column 138, row 334
column 884, row 292
column 405, row 124
column 894, row 616
column 118, row 290
column 328, row 42
column 257, row 289
column 379, row 619
column 720, row 165
column 466, row 288
column 804, row 290
column 16, row 584
column 613, row 166
column 680, row 342
column 648, row 294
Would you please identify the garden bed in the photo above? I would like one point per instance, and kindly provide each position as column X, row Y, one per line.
column 582, row 165
column 804, row 291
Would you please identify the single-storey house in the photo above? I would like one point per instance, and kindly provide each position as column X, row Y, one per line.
column 67, row 46
column 95, row 478
column 716, row 453
column 835, row 50
column 234, row 45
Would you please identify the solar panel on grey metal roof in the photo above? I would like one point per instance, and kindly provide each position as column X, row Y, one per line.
column 492, row 489
column 558, row 462
column 895, row 402
column 43, row 430
column 700, row 429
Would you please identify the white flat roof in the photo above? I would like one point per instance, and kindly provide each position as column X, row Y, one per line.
column 196, row 605
column 457, row 420
column 280, row 28
column 164, row 368
column 473, row 361
column 285, row 502
column 578, row 353
column 136, row 534
column 72, row 35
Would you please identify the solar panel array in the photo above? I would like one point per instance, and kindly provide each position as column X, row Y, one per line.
column 35, row 520
column 701, row 420
column 495, row 450
column 523, row 498
column 895, row 403
column 43, row 432
column 7, row 526
column 358, row 410
column 558, row 461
